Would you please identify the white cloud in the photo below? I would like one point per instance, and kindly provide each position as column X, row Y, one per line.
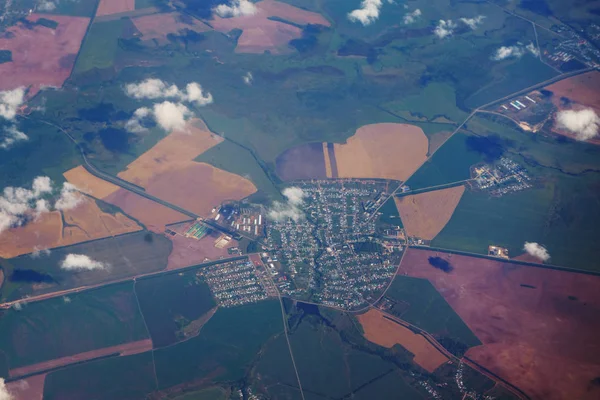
column 10, row 101
column 536, row 250
column 412, row 16
column 12, row 135
column 195, row 94
column 69, row 198
column 291, row 209
column 248, row 78
column 473, row 23
column 66, row 299
column 444, row 28
column 134, row 124
column 235, row 8
column 532, row 48
column 17, row 306
column 171, row 116
column 515, row 51
column 46, row 5
column 584, row 123
column 367, row 13
column 80, row 262
column 39, row 252
column 18, row 204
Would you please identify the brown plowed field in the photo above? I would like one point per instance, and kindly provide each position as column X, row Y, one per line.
column 260, row 33
column 168, row 153
column 307, row 161
column 436, row 140
column 41, row 56
column 386, row 333
column 387, row 151
column 158, row 26
column 188, row 251
column 582, row 89
column 125, row 349
column 84, row 222
column 539, row 327
column 424, row 215
column 31, row 388
column 199, row 187
column 108, row 7
column 153, row 215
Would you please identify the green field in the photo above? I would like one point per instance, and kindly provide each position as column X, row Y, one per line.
column 125, row 256
column 225, row 348
column 61, row 326
column 169, row 303
column 205, row 394
column 451, row 163
column 420, row 304
column 116, row 378
column 100, row 46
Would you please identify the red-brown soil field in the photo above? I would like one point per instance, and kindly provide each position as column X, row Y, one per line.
column 424, row 215
column 158, row 26
column 582, row 90
column 41, row 56
column 153, row 215
column 84, row 222
column 125, row 349
column 190, row 251
column 386, row 333
column 260, row 33
column 31, row 388
column 108, row 7
column 539, row 327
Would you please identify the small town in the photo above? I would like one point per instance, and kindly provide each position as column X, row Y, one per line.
column 502, row 178
column 335, row 254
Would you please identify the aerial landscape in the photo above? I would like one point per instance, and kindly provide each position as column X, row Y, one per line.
column 299, row 199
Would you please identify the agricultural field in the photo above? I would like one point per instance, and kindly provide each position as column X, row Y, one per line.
column 41, row 56
column 115, row 258
column 387, row 333
column 524, row 316
column 175, row 306
column 62, row 228
column 87, row 321
column 128, row 377
column 418, row 302
column 151, row 215
column 424, row 215
column 224, row 349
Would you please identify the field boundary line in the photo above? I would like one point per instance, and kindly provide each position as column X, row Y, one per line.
column 137, row 299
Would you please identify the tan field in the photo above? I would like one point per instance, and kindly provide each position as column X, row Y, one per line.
column 108, row 7
column 386, row 333
column 387, row 151
column 41, row 56
column 153, row 215
column 89, row 184
column 125, row 349
column 168, row 172
column 328, row 169
column 84, row 222
column 199, row 187
column 425, row 215
column 170, row 153
column 158, row 26
column 260, row 33
column 31, row 388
